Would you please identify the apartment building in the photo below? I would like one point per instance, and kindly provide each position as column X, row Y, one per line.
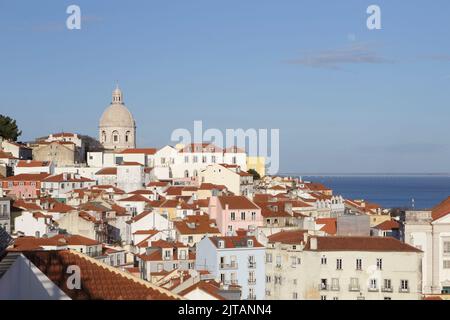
column 237, row 260
column 304, row 267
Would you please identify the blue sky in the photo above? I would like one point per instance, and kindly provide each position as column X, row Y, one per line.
column 346, row 99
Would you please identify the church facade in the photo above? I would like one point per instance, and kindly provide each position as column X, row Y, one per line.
column 117, row 128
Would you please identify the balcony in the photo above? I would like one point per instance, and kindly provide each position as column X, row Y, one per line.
column 228, row 266
column 354, row 288
column 373, row 289
column 252, row 265
column 387, row 289
column 251, row 281
column 403, row 290
column 251, row 297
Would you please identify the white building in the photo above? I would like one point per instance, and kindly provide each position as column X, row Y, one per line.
column 303, row 267
column 231, row 176
column 429, row 231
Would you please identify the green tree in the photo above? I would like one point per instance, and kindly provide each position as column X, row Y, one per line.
column 254, row 173
column 8, row 128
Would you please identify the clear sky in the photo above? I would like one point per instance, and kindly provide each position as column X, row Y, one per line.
column 345, row 98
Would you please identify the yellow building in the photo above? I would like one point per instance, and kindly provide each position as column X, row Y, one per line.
column 258, row 164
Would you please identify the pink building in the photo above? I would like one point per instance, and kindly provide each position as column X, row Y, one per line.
column 234, row 212
column 23, row 186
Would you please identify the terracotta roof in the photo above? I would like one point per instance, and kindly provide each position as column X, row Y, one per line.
column 148, row 151
column 98, row 281
column 58, row 240
column 60, row 207
column 150, row 232
column 273, row 210
column 174, row 191
column 314, row 186
column 36, row 177
column 441, row 210
column 234, row 149
column 198, row 224
column 237, row 202
column 288, row 237
column 32, row 163
column 6, row 155
column 376, row 244
column 143, row 214
column 211, row 186
column 142, row 191
column 330, row 225
column 388, row 225
column 136, row 198
column 30, row 206
column 107, row 171
column 235, row 242
column 209, row 286
column 157, row 184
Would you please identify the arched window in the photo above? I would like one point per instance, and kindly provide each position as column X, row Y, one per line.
column 195, row 173
column 103, row 136
column 115, row 136
column 186, row 174
column 127, row 136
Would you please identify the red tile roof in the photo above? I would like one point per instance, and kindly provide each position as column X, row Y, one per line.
column 58, row 240
column 237, row 202
column 330, row 225
column 198, row 224
column 32, row 163
column 288, row 237
column 148, row 151
column 209, row 286
column 441, row 210
column 98, row 281
column 107, row 171
column 36, row 177
column 388, row 225
column 376, row 244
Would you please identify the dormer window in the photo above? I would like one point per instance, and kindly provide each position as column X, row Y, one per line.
column 221, row 244
column 249, row 243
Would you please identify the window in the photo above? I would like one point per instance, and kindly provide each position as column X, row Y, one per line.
column 294, row 282
column 279, row 261
column 213, row 159
column 194, row 159
column 338, row 264
column 234, row 160
column 204, row 159
column 387, row 284
column 242, row 215
column 268, row 279
column 358, row 264
column 373, row 284
column 380, row 264
column 446, row 264
column 294, row 295
column 387, row 298
column 186, row 159
column 335, row 298
column 222, row 278
column 404, row 285
column 268, row 257
column 233, row 216
column 323, row 260
column 446, row 246
column 323, row 297
column 294, row 261
column 253, row 216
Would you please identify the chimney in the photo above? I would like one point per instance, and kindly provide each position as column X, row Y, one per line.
column 313, row 243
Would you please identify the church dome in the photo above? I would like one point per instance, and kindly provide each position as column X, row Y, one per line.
column 117, row 115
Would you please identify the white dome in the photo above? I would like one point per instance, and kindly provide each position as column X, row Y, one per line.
column 117, row 115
